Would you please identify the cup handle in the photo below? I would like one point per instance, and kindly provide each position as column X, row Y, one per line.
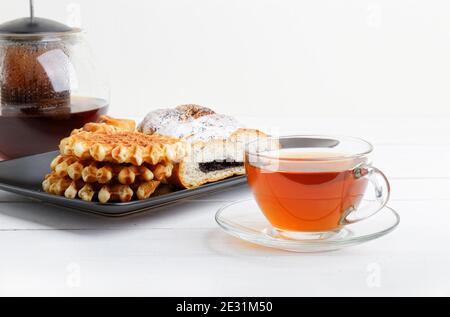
column 382, row 189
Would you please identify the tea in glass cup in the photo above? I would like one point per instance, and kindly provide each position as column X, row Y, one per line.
column 313, row 185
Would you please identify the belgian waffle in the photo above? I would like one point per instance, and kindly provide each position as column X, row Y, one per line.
column 102, row 172
column 123, row 124
column 110, row 161
column 123, row 147
column 107, row 124
column 65, row 186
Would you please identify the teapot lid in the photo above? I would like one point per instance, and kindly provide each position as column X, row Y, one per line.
column 33, row 25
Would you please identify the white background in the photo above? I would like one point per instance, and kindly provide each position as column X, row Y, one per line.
column 266, row 57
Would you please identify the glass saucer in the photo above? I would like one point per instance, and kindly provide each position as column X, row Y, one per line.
column 244, row 219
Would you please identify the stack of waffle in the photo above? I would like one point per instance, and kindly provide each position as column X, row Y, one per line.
column 109, row 161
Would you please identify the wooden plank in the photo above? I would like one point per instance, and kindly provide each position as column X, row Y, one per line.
column 27, row 216
column 207, row 262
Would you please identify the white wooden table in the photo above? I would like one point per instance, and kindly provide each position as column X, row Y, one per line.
column 180, row 251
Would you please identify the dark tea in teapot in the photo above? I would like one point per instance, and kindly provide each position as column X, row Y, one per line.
column 26, row 134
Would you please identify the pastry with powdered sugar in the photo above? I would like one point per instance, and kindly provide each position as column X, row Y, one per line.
column 217, row 142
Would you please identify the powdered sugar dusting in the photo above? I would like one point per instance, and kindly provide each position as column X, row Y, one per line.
column 172, row 122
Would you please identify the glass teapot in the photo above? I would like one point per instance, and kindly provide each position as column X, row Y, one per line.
column 49, row 85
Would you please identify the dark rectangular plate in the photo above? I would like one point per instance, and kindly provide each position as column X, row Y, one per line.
column 24, row 176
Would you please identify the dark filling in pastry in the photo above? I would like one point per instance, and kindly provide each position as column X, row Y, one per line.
column 218, row 165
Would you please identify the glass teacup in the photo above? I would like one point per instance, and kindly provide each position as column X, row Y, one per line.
column 312, row 186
